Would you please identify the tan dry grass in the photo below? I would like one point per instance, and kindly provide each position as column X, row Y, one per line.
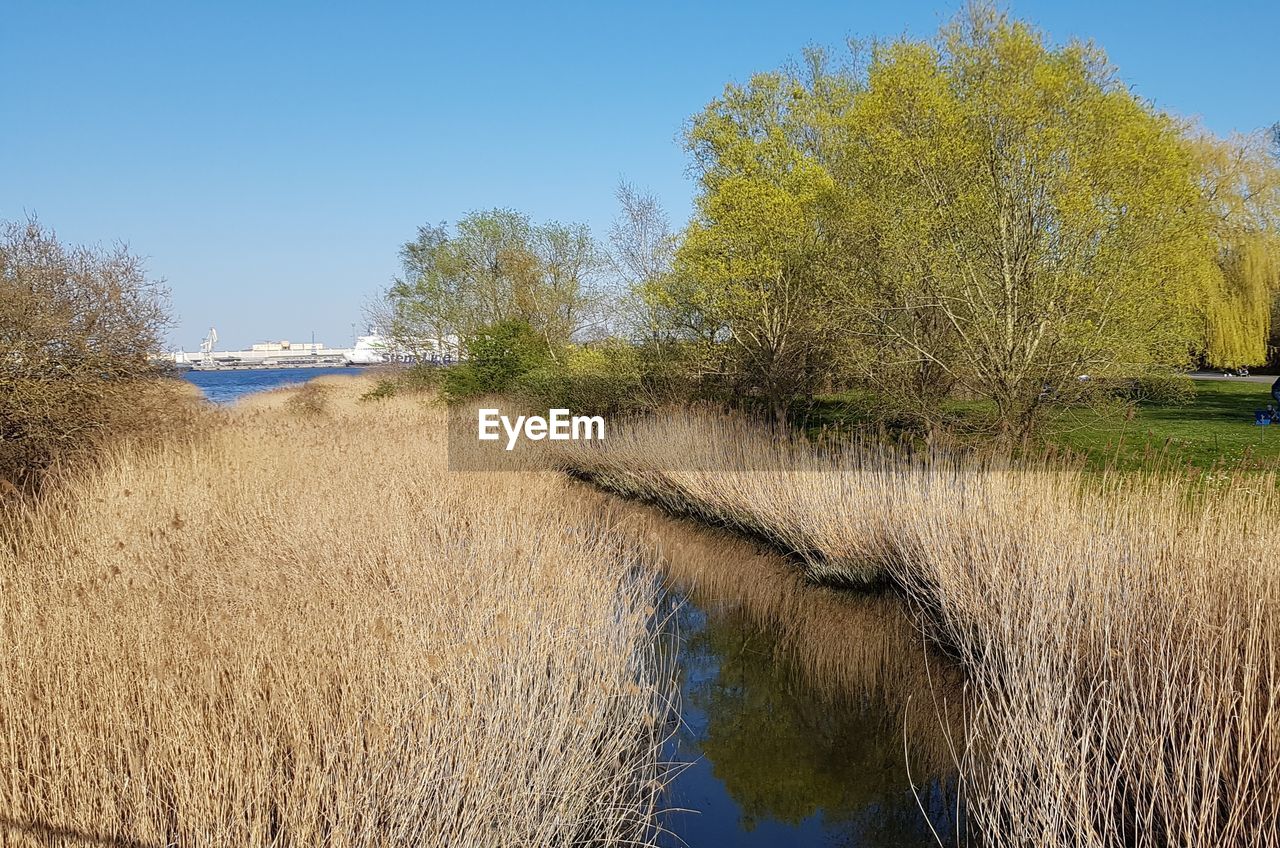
column 299, row 629
column 1121, row 635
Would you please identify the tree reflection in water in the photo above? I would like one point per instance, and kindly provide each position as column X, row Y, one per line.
column 801, row 706
column 801, row 766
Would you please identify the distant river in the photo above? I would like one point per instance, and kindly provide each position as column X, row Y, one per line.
column 229, row 385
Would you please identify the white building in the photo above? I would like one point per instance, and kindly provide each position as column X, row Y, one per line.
column 372, row 349
column 264, row 354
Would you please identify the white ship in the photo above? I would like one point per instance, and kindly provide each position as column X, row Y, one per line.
column 376, row 349
column 369, row 350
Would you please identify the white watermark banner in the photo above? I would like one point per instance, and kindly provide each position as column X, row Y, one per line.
column 559, row 425
column 494, row 437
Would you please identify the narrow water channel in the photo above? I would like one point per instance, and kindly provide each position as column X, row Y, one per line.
column 808, row 716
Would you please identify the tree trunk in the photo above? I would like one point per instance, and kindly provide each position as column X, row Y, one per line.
column 779, row 407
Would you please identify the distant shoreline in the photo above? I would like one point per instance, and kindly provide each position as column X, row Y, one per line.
column 266, row 366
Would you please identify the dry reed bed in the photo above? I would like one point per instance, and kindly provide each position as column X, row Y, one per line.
column 299, row 629
column 1120, row 635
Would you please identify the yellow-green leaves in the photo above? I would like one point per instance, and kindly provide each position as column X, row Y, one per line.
column 1032, row 210
column 1241, row 189
column 984, row 212
column 757, row 260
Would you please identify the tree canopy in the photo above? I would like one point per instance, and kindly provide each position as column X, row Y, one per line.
column 1241, row 185
column 1027, row 208
column 983, row 214
column 757, row 263
column 496, row 266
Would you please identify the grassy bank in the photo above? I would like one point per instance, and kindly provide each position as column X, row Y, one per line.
column 297, row 628
column 1215, row 429
column 1121, row 635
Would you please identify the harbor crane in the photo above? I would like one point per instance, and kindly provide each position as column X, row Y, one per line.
column 206, row 345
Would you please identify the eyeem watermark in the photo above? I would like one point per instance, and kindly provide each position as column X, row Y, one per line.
column 560, row 425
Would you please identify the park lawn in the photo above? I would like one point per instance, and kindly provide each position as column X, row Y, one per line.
column 1215, row 430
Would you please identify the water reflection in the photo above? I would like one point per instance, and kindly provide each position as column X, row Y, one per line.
column 777, row 761
column 801, row 707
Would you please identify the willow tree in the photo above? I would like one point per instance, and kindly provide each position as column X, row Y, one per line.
column 1241, row 186
column 1016, row 193
column 756, row 262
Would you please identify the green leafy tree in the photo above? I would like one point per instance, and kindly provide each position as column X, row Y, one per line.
column 496, row 266
column 756, row 266
column 1032, row 220
column 1241, row 187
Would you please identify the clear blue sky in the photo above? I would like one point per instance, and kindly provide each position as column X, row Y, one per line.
column 269, row 157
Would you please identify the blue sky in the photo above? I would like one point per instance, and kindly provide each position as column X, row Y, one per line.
column 269, row 158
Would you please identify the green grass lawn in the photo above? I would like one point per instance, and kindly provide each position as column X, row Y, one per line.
column 1216, row 429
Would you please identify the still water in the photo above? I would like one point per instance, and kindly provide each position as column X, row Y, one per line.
column 227, row 386
column 777, row 761
column 807, row 715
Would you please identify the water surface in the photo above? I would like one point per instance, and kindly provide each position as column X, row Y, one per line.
column 808, row 716
column 226, row 386
column 776, row 761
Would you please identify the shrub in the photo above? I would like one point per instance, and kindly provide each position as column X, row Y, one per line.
column 600, row 379
column 385, row 388
column 509, row 357
column 78, row 328
column 495, row 358
column 672, row 372
column 412, row 380
column 420, row 378
column 309, row 399
column 1162, row 389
